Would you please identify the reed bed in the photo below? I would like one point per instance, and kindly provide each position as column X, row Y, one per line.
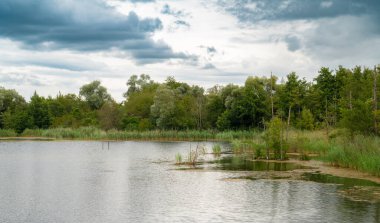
column 338, row 148
column 94, row 133
column 7, row 133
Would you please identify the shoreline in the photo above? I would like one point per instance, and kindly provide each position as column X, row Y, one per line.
column 323, row 165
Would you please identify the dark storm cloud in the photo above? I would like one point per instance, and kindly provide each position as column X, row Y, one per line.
column 87, row 25
column 340, row 31
column 256, row 10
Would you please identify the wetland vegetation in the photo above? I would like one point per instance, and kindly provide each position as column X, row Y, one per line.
column 334, row 118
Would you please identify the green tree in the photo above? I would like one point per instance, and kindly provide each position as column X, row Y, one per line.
column 136, row 84
column 39, row 111
column 214, row 106
column 306, row 121
column 359, row 119
column 163, row 108
column 95, row 94
column 10, row 101
column 109, row 116
column 18, row 120
column 274, row 138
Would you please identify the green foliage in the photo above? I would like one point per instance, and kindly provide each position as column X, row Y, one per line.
column 223, row 122
column 178, row 158
column 217, row 149
column 38, row 110
column 95, row 94
column 274, row 137
column 359, row 119
column 344, row 96
column 109, row 116
column 361, row 153
column 7, row 133
column 307, row 120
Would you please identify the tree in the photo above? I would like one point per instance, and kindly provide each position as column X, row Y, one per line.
column 307, row 120
column 18, row 120
column 274, row 138
column 10, row 101
column 359, row 119
column 291, row 96
column 109, row 116
column 95, row 94
column 39, row 111
column 136, row 84
column 257, row 101
column 214, row 106
column 163, row 108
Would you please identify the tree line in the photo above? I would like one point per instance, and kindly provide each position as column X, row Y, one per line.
column 342, row 97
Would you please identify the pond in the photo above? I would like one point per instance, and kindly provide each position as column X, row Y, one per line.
column 84, row 181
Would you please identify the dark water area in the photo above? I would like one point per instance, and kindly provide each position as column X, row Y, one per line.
column 343, row 181
column 81, row 181
column 241, row 163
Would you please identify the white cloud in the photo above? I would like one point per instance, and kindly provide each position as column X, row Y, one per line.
column 239, row 48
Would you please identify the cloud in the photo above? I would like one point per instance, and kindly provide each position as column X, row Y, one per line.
column 293, row 43
column 329, row 32
column 182, row 23
column 257, row 10
column 87, row 25
column 208, row 66
column 344, row 40
column 142, row 1
column 20, row 79
column 211, row 50
column 167, row 10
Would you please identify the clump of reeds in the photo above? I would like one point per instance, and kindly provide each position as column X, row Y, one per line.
column 169, row 135
column 7, row 133
column 217, row 149
column 178, row 158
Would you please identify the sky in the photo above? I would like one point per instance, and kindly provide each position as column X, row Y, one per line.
column 53, row 46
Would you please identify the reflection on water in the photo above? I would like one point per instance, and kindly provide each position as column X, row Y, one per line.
column 81, row 182
column 239, row 163
column 343, row 181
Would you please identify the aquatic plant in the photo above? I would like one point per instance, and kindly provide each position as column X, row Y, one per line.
column 217, row 149
column 168, row 135
column 178, row 158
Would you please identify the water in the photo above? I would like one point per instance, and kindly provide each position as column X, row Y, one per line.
column 239, row 163
column 342, row 181
column 133, row 182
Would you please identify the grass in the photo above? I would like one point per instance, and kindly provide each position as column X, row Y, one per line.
column 360, row 152
column 178, row 158
column 7, row 133
column 216, row 149
column 339, row 149
column 93, row 133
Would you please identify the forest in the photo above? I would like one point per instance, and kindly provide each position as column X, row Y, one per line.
column 344, row 98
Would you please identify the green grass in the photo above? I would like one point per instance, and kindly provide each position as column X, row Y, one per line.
column 217, row 149
column 178, row 158
column 93, row 133
column 339, row 149
column 7, row 133
column 359, row 152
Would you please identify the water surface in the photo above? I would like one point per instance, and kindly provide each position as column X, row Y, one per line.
column 135, row 182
